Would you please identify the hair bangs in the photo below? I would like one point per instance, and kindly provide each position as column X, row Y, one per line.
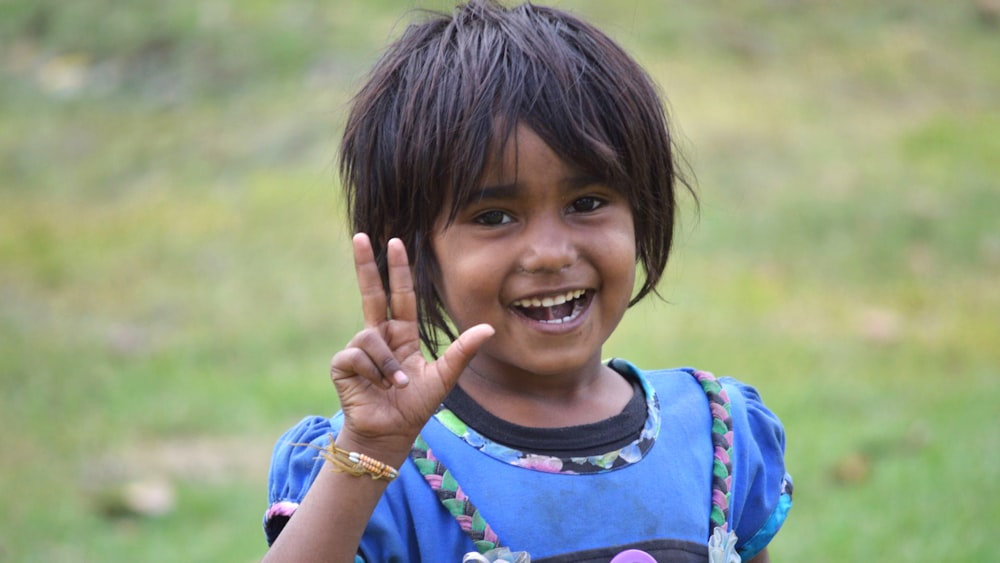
column 531, row 68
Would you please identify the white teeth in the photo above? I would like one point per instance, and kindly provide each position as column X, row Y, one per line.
column 550, row 301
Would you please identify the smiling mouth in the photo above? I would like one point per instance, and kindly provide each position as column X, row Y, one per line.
column 556, row 309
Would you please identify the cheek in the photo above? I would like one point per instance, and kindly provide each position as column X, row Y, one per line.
column 459, row 274
column 466, row 298
column 621, row 242
column 622, row 256
column 627, row 274
column 466, row 278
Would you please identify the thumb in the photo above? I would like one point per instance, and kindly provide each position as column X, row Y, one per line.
column 458, row 355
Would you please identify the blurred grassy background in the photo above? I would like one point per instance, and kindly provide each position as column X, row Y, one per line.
column 174, row 271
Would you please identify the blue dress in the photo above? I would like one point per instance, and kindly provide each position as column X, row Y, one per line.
column 654, row 493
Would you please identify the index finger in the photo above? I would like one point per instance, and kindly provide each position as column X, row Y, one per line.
column 373, row 302
column 403, row 301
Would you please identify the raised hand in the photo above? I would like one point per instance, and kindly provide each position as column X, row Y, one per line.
column 387, row 388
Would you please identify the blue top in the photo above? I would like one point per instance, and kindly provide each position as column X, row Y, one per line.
column 653, row 494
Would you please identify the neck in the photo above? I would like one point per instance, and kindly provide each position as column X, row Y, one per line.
column 549, row 401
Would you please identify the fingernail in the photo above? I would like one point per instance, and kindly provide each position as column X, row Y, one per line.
column 401, row 378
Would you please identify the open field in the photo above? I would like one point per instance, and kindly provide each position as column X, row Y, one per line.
column 174, row 270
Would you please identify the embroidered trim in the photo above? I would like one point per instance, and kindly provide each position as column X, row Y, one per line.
column 607, row 461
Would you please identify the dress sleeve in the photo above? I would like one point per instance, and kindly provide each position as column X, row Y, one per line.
column 294, row 466
column 761, row 488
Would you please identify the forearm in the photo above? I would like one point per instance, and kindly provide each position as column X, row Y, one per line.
column 387, row 391
column 329, row 523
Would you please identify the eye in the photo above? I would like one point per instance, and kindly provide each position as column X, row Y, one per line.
column 493, row 218
column 586, row 204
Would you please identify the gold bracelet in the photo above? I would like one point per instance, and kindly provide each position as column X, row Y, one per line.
column 356, row 464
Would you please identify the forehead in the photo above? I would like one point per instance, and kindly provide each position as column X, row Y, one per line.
column 524, row 155
column 522, row 149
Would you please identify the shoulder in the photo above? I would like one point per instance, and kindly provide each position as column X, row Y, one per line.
column 761, row 486
column 294, row 460
column 757, row 420
column 294, row 465
column 667, row 381
column 750, row 416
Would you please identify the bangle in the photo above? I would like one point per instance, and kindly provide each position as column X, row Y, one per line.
column 356, row 464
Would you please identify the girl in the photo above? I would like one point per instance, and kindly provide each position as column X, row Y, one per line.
column 512, row 167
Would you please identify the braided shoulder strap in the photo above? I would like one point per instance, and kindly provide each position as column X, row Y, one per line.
column 468, row 517
column 452, row 497
column 722, row 443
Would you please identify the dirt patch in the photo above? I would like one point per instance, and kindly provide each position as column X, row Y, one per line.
column 187, row 459
column 142, row 481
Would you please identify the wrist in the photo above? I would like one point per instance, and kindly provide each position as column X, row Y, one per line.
column 391, row 450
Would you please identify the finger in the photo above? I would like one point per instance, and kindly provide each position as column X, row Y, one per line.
column 458, row 355
column 353, row 362
column 375, row 346
column 403, row 301
column 373, row 303
column 369, row 356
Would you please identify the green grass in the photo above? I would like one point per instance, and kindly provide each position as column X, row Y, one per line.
column 174, row 270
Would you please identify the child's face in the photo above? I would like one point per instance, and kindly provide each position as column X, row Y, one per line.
column 546, row 256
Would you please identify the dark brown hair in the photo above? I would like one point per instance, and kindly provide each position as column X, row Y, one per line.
column 449, row 92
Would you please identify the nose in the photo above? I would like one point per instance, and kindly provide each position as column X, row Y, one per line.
column 548, row 246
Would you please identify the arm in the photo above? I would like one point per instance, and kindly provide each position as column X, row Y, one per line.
column 761, row 557
column 328, row 525
column 387, row 392
column 762, row 490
